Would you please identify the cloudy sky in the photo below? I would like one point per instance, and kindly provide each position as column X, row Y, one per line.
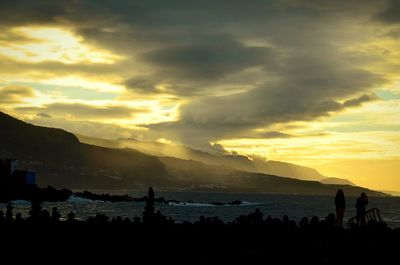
column 315, row 83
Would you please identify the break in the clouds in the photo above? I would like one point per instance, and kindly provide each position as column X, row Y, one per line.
column 227, row 69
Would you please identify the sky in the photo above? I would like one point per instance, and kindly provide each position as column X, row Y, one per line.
column 314, row 83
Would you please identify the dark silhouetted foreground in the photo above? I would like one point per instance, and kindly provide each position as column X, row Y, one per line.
column 248, row 238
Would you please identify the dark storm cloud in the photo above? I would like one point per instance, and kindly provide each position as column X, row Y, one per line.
column 206, row 62
column 217, row 57
column 286, row 58
column 391, row 12
column 19, row 12
column 83, row 111
column 295, row 98
column 310, row 92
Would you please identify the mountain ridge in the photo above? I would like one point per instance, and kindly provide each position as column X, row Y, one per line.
column 66, row 162
column 238, row 162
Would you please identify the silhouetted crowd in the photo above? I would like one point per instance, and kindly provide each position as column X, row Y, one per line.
column 38, row 215
column 247, row 239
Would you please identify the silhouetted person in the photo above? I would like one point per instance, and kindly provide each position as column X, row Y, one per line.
column 201, row 221
column 71, row 218
column 256, row 217
column 285, row 220
column 330, row 219
column 35, row 211
column 361, row 207
column 45, row 216
column 101, row 218
column 268, row 220
column 55, row 215
column 303, row 222
column 2, row 218
column 314, row 222
column 9, row 213
column 18, row 218
column 148, row 214
column 340, row 203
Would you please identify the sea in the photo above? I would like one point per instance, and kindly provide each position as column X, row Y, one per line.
column 196, row 204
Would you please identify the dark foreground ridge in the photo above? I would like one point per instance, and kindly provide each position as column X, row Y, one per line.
column 248, row 238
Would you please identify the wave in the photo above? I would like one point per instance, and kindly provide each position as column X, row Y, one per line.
column 76, row 199
column 21, row 202
column 246, row 203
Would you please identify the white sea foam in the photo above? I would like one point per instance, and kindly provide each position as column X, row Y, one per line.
column 21, row 202
column 246, row 203
column 77, row 200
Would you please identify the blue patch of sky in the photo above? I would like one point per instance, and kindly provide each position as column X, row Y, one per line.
column 387, row 94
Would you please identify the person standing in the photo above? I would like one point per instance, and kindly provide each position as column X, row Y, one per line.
column 340, row 203
column 361, row 207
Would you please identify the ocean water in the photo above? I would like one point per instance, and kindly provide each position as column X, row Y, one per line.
column 275, row 205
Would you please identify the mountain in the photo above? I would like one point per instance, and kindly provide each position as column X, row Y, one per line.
column 338, row 181
column 391, row 192
column 289, row 170
column 61, row 160
column 199, row 176
column 238, row 162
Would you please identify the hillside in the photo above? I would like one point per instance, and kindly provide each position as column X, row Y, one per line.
column 337, row 181
column 199, row 176
column 238, row 162
column 62, row 161
column 284, row 169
